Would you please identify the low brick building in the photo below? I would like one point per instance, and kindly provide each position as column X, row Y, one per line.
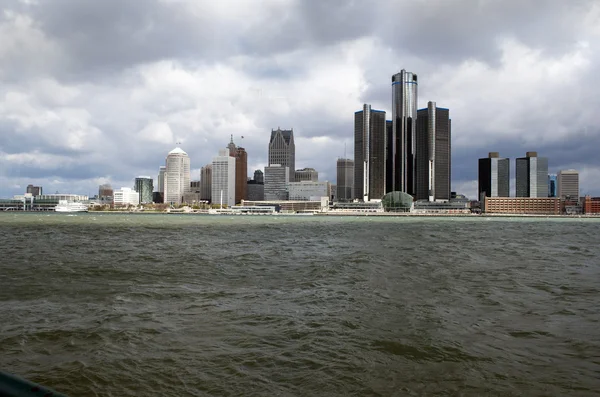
column 591, row 205
column 522, row 205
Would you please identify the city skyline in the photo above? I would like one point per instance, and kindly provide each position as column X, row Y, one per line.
column 91, row 114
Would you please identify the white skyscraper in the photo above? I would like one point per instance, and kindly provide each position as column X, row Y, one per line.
column 177, row 176
column 223, row 179
column 161, row 179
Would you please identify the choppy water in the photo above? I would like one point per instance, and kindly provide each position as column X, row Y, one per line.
column 140, row 305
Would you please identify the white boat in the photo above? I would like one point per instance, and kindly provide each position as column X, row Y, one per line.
column 70, row 206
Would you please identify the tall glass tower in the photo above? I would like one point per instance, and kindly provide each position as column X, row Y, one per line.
column 401, row 170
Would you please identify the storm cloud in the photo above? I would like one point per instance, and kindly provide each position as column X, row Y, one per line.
column 95, row 92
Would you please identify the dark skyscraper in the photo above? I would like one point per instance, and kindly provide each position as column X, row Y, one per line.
column 345, row 180
column 433, row 156
column 369, row 153
column 532, row 176
column 282, row 150
column 389, row 156
column 494, row 176
column 404, row 114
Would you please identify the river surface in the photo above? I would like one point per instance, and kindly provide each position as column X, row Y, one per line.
column 192, row 305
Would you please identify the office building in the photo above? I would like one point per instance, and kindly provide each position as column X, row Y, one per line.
column 591, row 205
column 369, row 153
column 306, row 174
column 259, row 176
column 105, row 191
column 345, row 180
column 223, row 179
column 552, row 185
column 34, row 190
column 144, row 186
column 282, row 150
column 206, row 182
column 404, row 115
column 256, row 191
column 277, row 178
column 568, row 185
column 532, row 176
column 241, row 170
column 308, row 190
column 126, row 196
column 177, row 176
column 389, row 156
column 160, row 181
column 522, row 205
column 433, row 154
column 494, row 176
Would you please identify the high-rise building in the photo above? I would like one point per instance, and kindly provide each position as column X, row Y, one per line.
column 345, row 180
column 223, row 179
column 34, row 190
column 259, row 176
column 568, row 185
column 552, row 185
column 389, row 156
column 308, row 190
column 160, row 181
column 277, row 178
column 206, row 182
column 532, row 176
column 433, row 161
column 494, row 176
column 177, row 176
column 369, row 153
column 404, row 115
column 282, row 150
column 105, row 191
column 144, row 187
column 241, row 170
column 306, row 174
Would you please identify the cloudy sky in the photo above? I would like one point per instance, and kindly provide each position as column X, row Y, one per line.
column 100, row 91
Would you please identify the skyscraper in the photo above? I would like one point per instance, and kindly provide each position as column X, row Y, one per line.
column 494, row 176
column 552, row 185
column 223, row 179
column 206, row 182
column 369, row 153
column 259, row 176
column 404, row 114
column 345, row 180
column 568, row 185
column 34, row 190
column 160, row 181
column 282, row 150
column 241, row 170
column 177, row 176
column 144, row 187
column 532, row 176
column 277, row 178
column 433, row 159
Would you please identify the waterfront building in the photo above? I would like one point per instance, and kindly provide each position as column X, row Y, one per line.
column 369, row 153
column 144, row 187
column 105, row 194
column 306, row 174
column 494, row 176
column 345, row 180
column 223, row 179
column 177, row 176
column 160, row 181
column 402, row 150
column 34, row 190
column 126, row 196
column 568, row 185
column 289, row 206
column 552, row 185
column 522, row 205
column 591, row 205
column 532, row 176
column 282, row 150
column 308, row 190
column 433, row 154
column 206, row 182
column 276, row 182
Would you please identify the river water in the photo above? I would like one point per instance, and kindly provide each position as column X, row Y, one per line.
column 188, row 305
